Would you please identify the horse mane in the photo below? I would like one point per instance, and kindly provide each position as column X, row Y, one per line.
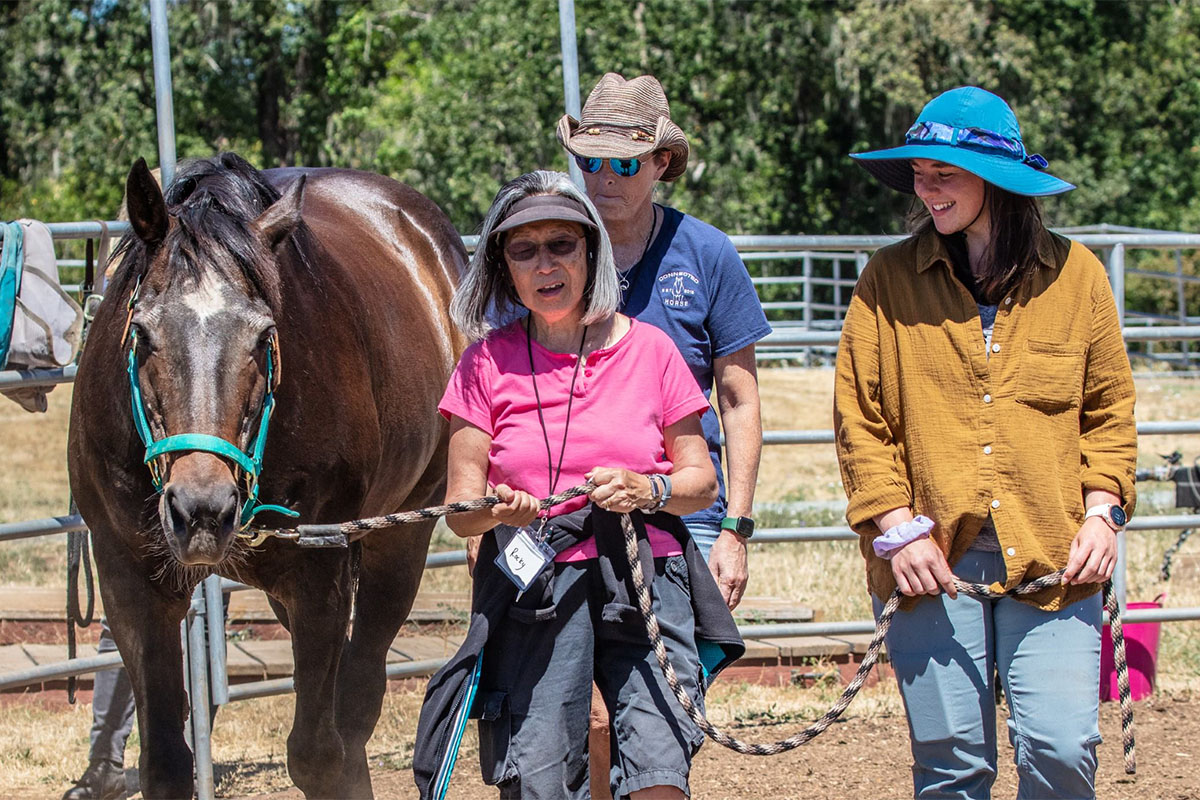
column 214, row 202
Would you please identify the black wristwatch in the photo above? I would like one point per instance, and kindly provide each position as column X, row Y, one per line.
column 742, row 526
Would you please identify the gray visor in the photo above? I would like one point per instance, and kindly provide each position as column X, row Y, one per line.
column 544, row 207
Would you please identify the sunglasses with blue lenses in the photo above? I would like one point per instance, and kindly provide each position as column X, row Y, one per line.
column 625, row 167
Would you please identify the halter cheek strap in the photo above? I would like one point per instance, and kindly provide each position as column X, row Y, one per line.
column 249, row 463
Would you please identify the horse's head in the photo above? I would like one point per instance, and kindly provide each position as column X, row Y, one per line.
column 202, row 275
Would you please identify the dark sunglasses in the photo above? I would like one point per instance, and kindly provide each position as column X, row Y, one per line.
column 525, row 250
column 625, row 167
column 975, row 138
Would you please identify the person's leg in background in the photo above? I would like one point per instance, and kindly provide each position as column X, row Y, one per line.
column 705, row 535
column 112, row 722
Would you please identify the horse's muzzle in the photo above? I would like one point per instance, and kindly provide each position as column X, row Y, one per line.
column 199, row 520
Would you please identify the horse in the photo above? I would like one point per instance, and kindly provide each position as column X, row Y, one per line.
column 298, row 317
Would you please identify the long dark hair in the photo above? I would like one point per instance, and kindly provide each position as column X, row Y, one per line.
column 1011, row 255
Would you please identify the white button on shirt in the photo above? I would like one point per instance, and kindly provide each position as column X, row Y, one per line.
column 1012, row 551
column 987, row 398
column 995, row 348
column 995, row 504
column 987, row 449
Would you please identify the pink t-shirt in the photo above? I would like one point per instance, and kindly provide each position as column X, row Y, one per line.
column 625, row 395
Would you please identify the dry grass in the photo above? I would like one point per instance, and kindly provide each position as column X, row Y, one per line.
column 41, row 750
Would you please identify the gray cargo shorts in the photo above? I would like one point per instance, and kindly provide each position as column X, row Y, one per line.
column 536, row 689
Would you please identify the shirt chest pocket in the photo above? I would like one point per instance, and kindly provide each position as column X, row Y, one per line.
column 1050, row 378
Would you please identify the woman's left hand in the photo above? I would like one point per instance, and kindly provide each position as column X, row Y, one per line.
column 619, row 490
column 1093, row 553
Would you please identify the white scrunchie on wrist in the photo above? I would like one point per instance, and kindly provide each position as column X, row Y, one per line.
column 897, row 536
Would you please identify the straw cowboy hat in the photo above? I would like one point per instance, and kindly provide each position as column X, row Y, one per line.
column 974, row 130
column 625, row 119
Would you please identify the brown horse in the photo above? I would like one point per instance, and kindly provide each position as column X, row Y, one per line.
column 331, row 302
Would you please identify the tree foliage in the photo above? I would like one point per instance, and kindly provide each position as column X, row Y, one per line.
column 456, row 96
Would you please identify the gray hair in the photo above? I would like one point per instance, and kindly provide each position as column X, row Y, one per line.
column 486, row 297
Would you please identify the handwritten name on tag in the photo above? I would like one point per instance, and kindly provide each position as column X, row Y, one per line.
column 524, row 558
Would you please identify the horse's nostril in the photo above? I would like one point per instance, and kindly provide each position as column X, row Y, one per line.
column 178, row 512
column 229, row 512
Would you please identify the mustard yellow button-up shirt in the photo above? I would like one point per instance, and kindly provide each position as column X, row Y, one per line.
column 926, row 419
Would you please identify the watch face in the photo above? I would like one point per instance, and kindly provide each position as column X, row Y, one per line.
column 1118, row 516
column 742, row 526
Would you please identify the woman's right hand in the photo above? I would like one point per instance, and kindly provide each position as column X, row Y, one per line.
column 920, row 567
column 515, row 508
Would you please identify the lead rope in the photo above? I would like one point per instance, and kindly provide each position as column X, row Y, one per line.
column 881, row 628
column 336, row 535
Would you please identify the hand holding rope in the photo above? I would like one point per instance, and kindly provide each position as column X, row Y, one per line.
column 336, row 535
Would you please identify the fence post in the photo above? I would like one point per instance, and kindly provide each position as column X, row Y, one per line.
column 570, row 67
column 808, row 299
column 164, row 106
column 215, row 607
column 1116, row 277
column 1181, row 299
column 838, row 314
column 1118, row 578
column 197, row 668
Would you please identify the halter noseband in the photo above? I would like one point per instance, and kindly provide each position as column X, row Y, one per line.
column 248, row 463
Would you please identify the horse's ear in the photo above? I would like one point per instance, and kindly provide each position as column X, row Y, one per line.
column 145, row 204
column 283, row 216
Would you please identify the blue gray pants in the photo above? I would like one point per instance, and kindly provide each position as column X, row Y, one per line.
column 539, row 668
column 945, row 654
column 112, row 706
column 705, row 535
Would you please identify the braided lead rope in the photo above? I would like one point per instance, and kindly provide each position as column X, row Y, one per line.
column 881, row 628
column 433, row 512
column 1116, row 628
column 319, row 532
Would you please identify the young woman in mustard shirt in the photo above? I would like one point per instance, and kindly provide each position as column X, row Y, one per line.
column 984, row 417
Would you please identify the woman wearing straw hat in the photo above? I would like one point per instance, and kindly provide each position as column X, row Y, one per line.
column 532, row 408
column 984, row 419
column 685, row 277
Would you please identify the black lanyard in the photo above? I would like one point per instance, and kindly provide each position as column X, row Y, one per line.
column 552, row 472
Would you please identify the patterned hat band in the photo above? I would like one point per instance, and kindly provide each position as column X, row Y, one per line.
column 973, row 138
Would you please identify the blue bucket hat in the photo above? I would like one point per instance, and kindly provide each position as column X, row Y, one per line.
column 972, row 129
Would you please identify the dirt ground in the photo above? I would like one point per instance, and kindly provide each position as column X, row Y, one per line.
column 868, row 758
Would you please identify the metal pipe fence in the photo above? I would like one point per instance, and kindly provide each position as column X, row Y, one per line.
column 203, row 650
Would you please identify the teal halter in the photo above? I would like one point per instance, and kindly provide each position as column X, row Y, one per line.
column 250, row 463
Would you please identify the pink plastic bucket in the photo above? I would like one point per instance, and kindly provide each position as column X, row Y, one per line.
column 1141, row 651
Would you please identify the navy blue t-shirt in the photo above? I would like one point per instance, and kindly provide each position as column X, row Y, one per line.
column 692, row 284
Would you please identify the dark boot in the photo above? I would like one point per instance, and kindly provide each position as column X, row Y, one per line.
column 102, row 780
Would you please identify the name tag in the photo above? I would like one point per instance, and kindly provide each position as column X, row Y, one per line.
column 524, row 558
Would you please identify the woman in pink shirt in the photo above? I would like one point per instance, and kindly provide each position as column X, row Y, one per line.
column 562, row 391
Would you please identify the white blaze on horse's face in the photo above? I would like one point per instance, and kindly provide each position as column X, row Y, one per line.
column 207, row 299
